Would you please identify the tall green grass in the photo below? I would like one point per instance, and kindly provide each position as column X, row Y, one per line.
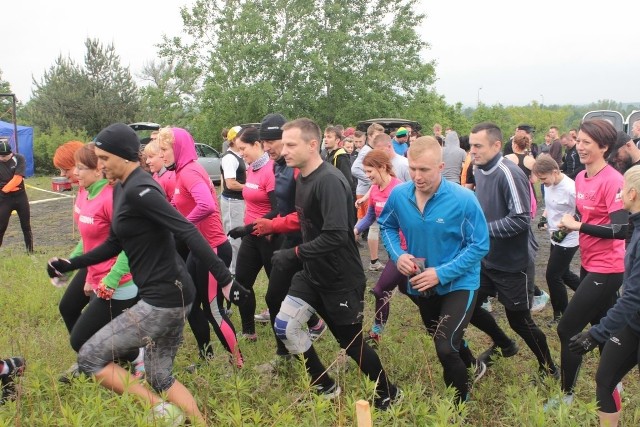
column 31, row 326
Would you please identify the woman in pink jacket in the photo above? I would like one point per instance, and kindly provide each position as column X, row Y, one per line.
column 195, row 198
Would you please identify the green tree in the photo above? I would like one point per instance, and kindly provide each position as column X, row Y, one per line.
column 45, row 145
column 6, row 103
column 168, row 93
column 334, row 61
column 429, row 108
column 84, row 98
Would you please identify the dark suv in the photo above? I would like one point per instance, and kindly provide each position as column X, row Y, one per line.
column 389, row 125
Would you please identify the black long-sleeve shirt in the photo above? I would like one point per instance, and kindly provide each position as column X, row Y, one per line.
column 504, row 195
column 571, row 166
column 329, row 252
column 340, row 159
column 144, row 225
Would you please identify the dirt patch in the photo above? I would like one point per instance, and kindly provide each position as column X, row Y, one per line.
column 51, row 222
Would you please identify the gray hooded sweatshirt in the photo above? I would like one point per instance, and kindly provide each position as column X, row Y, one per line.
column 453, row 157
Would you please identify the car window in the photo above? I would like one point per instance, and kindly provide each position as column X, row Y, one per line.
column 206, row 151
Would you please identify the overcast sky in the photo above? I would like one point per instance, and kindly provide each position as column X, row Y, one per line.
column 554, row 52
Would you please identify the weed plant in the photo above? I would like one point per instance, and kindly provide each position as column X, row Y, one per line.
column 257, row 395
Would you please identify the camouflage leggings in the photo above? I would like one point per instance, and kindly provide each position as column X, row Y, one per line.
column 157, row 329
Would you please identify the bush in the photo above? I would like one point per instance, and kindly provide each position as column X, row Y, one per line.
column 45, row 145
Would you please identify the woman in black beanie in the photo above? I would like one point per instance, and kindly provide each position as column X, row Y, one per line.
column 144, row 224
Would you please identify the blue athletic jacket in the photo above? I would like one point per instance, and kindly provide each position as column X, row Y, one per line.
column 451, row 234
column 627, row 307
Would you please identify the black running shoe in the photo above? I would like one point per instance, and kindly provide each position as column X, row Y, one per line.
column 328, row 392
column 16, row 367
column 382, row 403
column 488, row 357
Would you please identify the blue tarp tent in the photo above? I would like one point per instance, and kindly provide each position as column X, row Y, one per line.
column 25, row 142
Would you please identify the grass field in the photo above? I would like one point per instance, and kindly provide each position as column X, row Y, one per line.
column 30, row 325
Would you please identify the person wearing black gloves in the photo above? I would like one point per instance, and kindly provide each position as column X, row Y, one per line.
column 260, row 201
column 13, row 195
column 284, row 227
column 619, row 330
column 602, row 229
column 144, row 224
column 332, row 279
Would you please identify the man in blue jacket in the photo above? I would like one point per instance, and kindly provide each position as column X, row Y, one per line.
column 446, row 276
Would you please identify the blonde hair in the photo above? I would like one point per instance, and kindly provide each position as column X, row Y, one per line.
column 423, row 144
column 165, row 138
column 374, row 128
column 632, row 178
column 152, row 148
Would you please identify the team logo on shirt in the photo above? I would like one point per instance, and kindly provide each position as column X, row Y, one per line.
column 586, row 196
column 85, row 219
column 252, row 186
column 619, row 195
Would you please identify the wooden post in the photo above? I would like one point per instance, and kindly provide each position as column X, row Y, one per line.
column 73, row 223
column 363, row 414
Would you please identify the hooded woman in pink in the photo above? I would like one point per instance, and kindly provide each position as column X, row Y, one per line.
column 195, row 198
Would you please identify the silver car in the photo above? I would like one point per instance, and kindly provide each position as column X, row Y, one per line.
column 208, row 156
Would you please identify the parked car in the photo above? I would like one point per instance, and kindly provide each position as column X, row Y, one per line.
column 389, row 125
column 208, row 156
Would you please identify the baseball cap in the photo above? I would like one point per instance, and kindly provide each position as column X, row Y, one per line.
column 5, row 147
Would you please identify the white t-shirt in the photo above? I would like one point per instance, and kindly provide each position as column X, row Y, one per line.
column 560, row 199
column 401, row 167
column 229, row 165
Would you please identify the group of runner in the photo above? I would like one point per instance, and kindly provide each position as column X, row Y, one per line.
column 449, row 249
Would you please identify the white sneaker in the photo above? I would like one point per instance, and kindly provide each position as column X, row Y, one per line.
column 556, row 402
column 479, row 371
column 376, row 266
column 168, row 413
column 540, row 302
column 263, row 317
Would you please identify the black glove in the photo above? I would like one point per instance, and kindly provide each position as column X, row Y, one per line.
column 238, row 294
column 241, row 231
column 56, row 267
column 543, row 222
column 285, row 258
column 582, row 343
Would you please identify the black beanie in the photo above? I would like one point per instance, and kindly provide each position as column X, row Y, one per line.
column 119, row 139
column 271, row 127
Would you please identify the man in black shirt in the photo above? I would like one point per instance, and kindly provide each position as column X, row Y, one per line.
column 13, row 195
column 571, row 164
column 332, row 280
column 337, row 156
